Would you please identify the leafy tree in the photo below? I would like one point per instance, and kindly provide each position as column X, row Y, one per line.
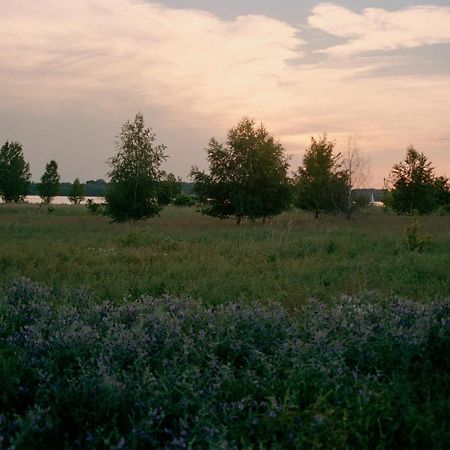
column 247, row 177
column 413, row 184
column 135, row 173
column 76, row 194
column 321, row 184
column 442, row 192
column 14, row 172
column 96, row 188
column 168, row 189
column 49, row 185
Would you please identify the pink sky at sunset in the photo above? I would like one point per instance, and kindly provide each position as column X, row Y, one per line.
column 72, row 72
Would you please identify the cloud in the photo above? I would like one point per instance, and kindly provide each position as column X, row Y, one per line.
column 138, row 49
column 379, row 29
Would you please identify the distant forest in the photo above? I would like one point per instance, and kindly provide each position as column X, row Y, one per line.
column 98, row 188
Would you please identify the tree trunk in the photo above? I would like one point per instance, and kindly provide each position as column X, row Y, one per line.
column 349, row 205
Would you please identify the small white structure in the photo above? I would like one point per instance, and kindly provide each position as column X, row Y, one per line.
column 372, row 202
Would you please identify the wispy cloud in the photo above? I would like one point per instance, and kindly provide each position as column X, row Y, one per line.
column 89, row 47
column 379, row 29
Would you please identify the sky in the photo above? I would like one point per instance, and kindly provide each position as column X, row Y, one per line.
column 72, row 72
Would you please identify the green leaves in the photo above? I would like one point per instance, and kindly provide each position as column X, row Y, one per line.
column 248, row 175
column 49, row 185
column 321, row 184
column 14, row 172
column 414, row 184
column 76, row 194
column 177, row 373
column 135, row 173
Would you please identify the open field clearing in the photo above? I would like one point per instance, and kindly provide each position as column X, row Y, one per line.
column 299, row 333
column 289, row 259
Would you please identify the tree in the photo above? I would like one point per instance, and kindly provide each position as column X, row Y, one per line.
column 135, row 173
column 247, row 175
column 356, row 166
column 76, row 194
column 96, row 188
column 412, row 183
column 321, row 183
column 168, row 188
column 442, row 192
column 49, row 185
column 14, row 172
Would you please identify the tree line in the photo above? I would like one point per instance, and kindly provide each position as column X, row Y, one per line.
column 92, row 188
column 247, row 178
column 15, row 182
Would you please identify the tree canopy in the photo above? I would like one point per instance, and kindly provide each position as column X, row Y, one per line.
column 413, row 184
column 442, row 192
column 14, row 172
column 135, row 173
column 247, row 175
column 168, row 188
column 49, row 185
column 320, row 183
column 76, row 194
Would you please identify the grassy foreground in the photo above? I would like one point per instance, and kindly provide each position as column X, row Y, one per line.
column 290, row 259
column 104, row 349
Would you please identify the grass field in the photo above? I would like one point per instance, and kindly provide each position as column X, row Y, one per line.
column 189, row 332
column 289, row 259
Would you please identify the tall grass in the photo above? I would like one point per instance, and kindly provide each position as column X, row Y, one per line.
column 290, row 259
column 176, row 373
column 189, row 332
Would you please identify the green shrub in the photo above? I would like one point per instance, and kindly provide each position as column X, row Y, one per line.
column 183, row 200
column 95, row 208
column 174, row 373
column 414, row 239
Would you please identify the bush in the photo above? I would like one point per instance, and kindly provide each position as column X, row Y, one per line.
column 414, row 239
column 184, row 200
column 77, row 192
column 95, row 208
column 174, row 373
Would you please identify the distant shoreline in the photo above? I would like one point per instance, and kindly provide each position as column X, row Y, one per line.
column 59, row 200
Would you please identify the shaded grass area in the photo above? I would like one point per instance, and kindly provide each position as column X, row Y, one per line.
column 175, row 373
column 88, row 361
column 290, row 259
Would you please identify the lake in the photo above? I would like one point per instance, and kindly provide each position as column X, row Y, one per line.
column 61, row 200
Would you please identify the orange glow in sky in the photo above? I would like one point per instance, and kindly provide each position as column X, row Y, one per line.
column 72, row 72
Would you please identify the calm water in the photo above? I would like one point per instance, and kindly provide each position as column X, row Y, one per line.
column 61, row 200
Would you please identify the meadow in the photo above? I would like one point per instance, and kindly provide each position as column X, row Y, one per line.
column 289, row 259
column 185, row 331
